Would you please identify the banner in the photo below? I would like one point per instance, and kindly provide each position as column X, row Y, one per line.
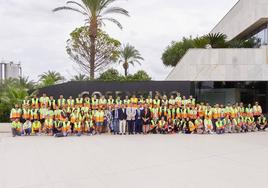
column 89, row 88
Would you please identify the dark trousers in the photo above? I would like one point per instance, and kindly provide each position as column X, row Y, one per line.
column 130, row 124
column 153, row 130
column 138, row 126
column 256, row 118
column 220, row 131
column 176, row 128
column 116, row 125
column 187, row 130
column 259, row 127
column 28, row 131
column 60, row 134
column 214, row 124
column 245, row 128
column 15, row 132
column 55, row 131
column 90, row 130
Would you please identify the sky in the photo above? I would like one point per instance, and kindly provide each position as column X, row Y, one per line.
column 32, row 34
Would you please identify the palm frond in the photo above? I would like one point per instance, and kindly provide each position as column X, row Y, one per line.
column 78, row 4
column 106, row 3
column 116, row 22
column 116, row 10
column 69, row 8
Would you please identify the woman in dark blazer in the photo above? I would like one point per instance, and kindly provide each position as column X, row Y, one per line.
column 146, row 119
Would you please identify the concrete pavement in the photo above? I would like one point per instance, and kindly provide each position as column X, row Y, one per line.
column 4, row 127
column 188, row 161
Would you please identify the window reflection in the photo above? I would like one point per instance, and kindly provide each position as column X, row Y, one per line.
column 261, row 36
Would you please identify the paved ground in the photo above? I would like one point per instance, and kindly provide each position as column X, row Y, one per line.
column 134, row 161
column 4, row 127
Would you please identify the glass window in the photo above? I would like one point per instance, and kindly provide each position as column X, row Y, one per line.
column 262, row 36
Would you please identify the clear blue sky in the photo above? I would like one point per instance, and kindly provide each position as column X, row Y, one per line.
column 32, row 34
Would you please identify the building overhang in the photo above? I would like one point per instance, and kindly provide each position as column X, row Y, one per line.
column 252, row 28
column 245, row 17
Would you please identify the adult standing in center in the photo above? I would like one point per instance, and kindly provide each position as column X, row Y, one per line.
column 115, row 115
column 131, row 113
column 138, row 121
column 146, row 115
column 122, row 119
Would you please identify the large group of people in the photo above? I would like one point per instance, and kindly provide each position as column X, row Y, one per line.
column 131, row 115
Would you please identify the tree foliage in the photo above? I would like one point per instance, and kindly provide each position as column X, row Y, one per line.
column 13, row 91
column 80, row 77
column 174, row 52
column 250, row 43
column 111, row 75
column 114, row 75
column 141, row 76
column 78, row 48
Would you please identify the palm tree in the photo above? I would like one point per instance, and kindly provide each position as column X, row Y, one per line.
column 13, row 91
column 96, row 12
column 80, row 77
column 201, row 42
column 217, row 40
column 13, row 95
column 50, row 78
column 129, row 56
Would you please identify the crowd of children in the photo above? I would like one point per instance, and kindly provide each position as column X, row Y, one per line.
column 132, row 115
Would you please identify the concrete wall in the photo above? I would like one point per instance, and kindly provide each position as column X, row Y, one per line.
column 222, row 65
column 243, row 15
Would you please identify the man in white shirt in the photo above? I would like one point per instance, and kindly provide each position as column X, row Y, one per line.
column 131, row 113
column 122, row 120
column 27, row 126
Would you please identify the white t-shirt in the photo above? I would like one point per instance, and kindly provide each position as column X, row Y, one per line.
column 27, row 125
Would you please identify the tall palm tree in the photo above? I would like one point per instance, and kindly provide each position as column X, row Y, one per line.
column 129, row 56
column 80, row 77
column 96, row 12
column 50, row 78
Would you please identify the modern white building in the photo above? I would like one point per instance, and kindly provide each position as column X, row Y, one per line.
column 10, row 70
column 229, row 75
column 246, row 19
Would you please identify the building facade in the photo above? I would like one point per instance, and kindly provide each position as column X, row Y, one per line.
column 229, row 75
column 10, row 70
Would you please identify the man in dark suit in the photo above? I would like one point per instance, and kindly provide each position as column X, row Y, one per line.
column 115, row 115
column 122, row 119
column 138, row 119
